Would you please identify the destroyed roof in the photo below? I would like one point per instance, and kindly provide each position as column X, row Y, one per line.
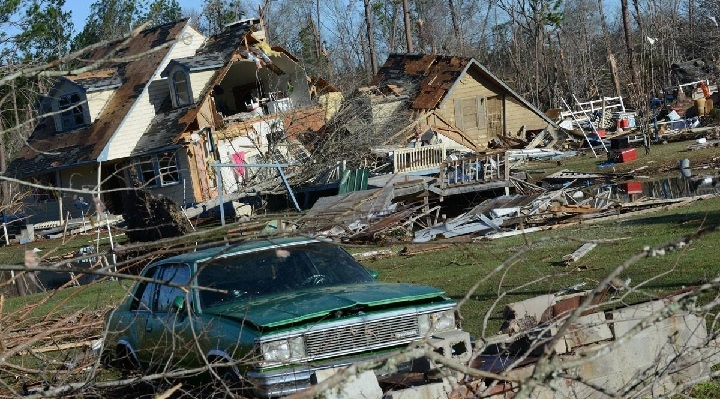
column 428, row 79
column 201, row 62
column 47, row 150
column 97, row 80
column 693, row 70
column 169, row 125
column 164, row 129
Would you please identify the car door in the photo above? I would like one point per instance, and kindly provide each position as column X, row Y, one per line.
column 141, row 310
column 168, row 335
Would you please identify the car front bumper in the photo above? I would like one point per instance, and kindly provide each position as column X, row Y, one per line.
column 291, row 379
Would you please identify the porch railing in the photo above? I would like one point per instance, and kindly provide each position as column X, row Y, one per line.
column 477, row 169
column 418, row 158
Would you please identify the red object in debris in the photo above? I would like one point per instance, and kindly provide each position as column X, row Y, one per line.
column 633, row 187
column 623, row 155
column 601, row 133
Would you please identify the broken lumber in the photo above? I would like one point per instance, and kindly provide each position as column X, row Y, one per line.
column 579, row 253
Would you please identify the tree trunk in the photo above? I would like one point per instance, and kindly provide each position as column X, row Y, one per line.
column 456, row 26
column 614, row 72
column 393, row 29
column 408, row 28
column 370, row 38
column 628, row 44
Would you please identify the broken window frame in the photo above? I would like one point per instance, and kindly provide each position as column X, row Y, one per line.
column 72, row 113
column 182, row 92
column 158, row 170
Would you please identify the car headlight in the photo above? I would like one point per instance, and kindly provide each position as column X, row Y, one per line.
column 283, row 350
column 430, row 323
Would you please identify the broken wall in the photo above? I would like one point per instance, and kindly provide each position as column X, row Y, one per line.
column 644, row 350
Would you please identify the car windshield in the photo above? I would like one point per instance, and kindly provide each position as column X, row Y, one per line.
column 277, row 270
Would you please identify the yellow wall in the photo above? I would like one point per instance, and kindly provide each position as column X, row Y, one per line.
column 473, row 84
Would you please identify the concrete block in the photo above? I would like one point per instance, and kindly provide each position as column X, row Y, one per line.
column 626, row 318
column 536, row 307
column 589, row 329
column 361, row 386
column 452, row 344
column 448, row 388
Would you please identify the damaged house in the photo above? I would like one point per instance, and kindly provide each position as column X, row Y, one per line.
column 170, row 104
column 452, row 101
column 430, row 122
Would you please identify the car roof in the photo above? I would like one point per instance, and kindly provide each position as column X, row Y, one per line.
column 237, row 248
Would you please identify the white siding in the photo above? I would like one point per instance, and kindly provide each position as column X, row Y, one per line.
column 198, row 80
column 97, row 101
column 141, row 114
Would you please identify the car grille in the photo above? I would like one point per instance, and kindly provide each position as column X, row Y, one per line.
column 356, row 338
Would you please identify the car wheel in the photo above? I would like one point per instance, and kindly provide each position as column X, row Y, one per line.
column 227, row 383
column 125, row 360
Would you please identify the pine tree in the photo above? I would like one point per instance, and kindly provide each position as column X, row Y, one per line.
column 163, row 11
column 108, row 19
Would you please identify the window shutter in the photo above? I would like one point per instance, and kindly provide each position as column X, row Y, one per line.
column 458, row 114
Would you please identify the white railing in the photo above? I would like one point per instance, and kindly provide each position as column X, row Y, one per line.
column 478, row 169
column 418, row 158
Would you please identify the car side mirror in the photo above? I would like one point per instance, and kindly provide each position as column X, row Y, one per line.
column 179, row 303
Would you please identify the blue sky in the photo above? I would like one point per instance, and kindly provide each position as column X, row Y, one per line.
column 81, row 9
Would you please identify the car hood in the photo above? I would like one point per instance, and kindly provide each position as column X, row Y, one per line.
column 298, row 306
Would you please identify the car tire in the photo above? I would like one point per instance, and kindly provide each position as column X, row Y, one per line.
column 228, row 378
column 125, row 360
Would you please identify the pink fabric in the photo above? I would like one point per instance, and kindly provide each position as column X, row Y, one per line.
column 239, row 158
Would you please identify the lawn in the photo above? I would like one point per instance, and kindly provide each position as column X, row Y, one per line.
column 516, row 268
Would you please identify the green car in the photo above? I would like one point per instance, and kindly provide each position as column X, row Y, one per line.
column 274, row 312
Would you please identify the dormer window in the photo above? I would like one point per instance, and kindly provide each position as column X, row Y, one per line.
column 182, row 94
column 72, row 115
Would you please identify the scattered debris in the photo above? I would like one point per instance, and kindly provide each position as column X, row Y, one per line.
column 579, row 253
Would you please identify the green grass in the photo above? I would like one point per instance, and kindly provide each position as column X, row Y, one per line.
column 662, row 162
column 533, row 262
column 98, row 296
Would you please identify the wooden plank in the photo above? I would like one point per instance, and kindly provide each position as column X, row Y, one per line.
column 579, row 253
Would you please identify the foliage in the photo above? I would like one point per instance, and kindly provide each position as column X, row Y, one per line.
column 163, row 11
column 217, row 13
column 46, row 32
column 108, row 19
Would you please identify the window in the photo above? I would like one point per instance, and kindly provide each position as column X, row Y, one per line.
column 470, row 113
column 158, row 170
column 176, row 274
column 181, row 88
column 158, row 297
column 72, row 115
column 146, row 294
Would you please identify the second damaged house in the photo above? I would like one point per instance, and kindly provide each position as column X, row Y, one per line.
column 175, row 104
column 451, row 102
column 435, row 120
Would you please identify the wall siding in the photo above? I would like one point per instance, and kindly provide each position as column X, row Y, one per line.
column 97, row 101
column 469, row 86
column 473, row 84
column 517, row 116
column 198, row 80
column 138, row 119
